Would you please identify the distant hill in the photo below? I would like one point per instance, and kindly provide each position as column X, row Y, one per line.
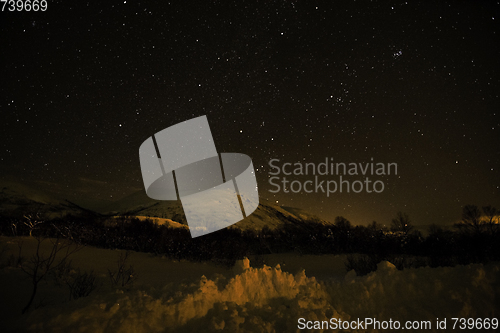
column 17, row 199
column 302, row 213
column 267, row 214
column 274, row 216
column 139, row 204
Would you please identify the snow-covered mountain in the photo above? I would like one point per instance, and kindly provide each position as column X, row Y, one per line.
column 267, row 214
column 18, row 199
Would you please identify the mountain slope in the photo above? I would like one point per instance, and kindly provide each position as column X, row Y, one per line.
column 267, row 214
column 17, row 200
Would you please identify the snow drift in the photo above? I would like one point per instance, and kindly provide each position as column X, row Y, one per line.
column 270, row 300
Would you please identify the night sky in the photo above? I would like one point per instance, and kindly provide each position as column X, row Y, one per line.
column 412, row 83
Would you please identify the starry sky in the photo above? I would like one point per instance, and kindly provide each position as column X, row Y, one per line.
column 414, row 83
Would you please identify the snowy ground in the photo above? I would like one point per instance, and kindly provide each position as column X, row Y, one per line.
column 183, row 296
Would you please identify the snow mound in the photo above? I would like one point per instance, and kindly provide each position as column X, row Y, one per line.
column 425, row 293
column 385, row 266
column 257, row 300
column 270, row 300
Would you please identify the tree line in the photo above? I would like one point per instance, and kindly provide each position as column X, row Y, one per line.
column 474, row 239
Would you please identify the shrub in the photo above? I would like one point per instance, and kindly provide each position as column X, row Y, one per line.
column 362, row 264
column 123, row 277
column 82, row 285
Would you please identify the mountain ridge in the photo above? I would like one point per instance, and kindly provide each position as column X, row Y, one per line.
column 18, row 199
column 267, row 214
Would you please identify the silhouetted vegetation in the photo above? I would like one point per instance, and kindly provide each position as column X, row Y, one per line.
column 474, row 239
column 82, row 284
column 362, row 264
column 123, row 276
column 42, row 264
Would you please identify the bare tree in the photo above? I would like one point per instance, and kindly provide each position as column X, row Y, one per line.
column 402, row 223
column 42, row 262
column 343, row 224
column 14, row 223
column 123, row 277
column 471, row 220
column 82, row 285
column 492, row 216
column 376, row 227
column 33, row 219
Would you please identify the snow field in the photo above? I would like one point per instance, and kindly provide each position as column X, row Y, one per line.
column 177, row 297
